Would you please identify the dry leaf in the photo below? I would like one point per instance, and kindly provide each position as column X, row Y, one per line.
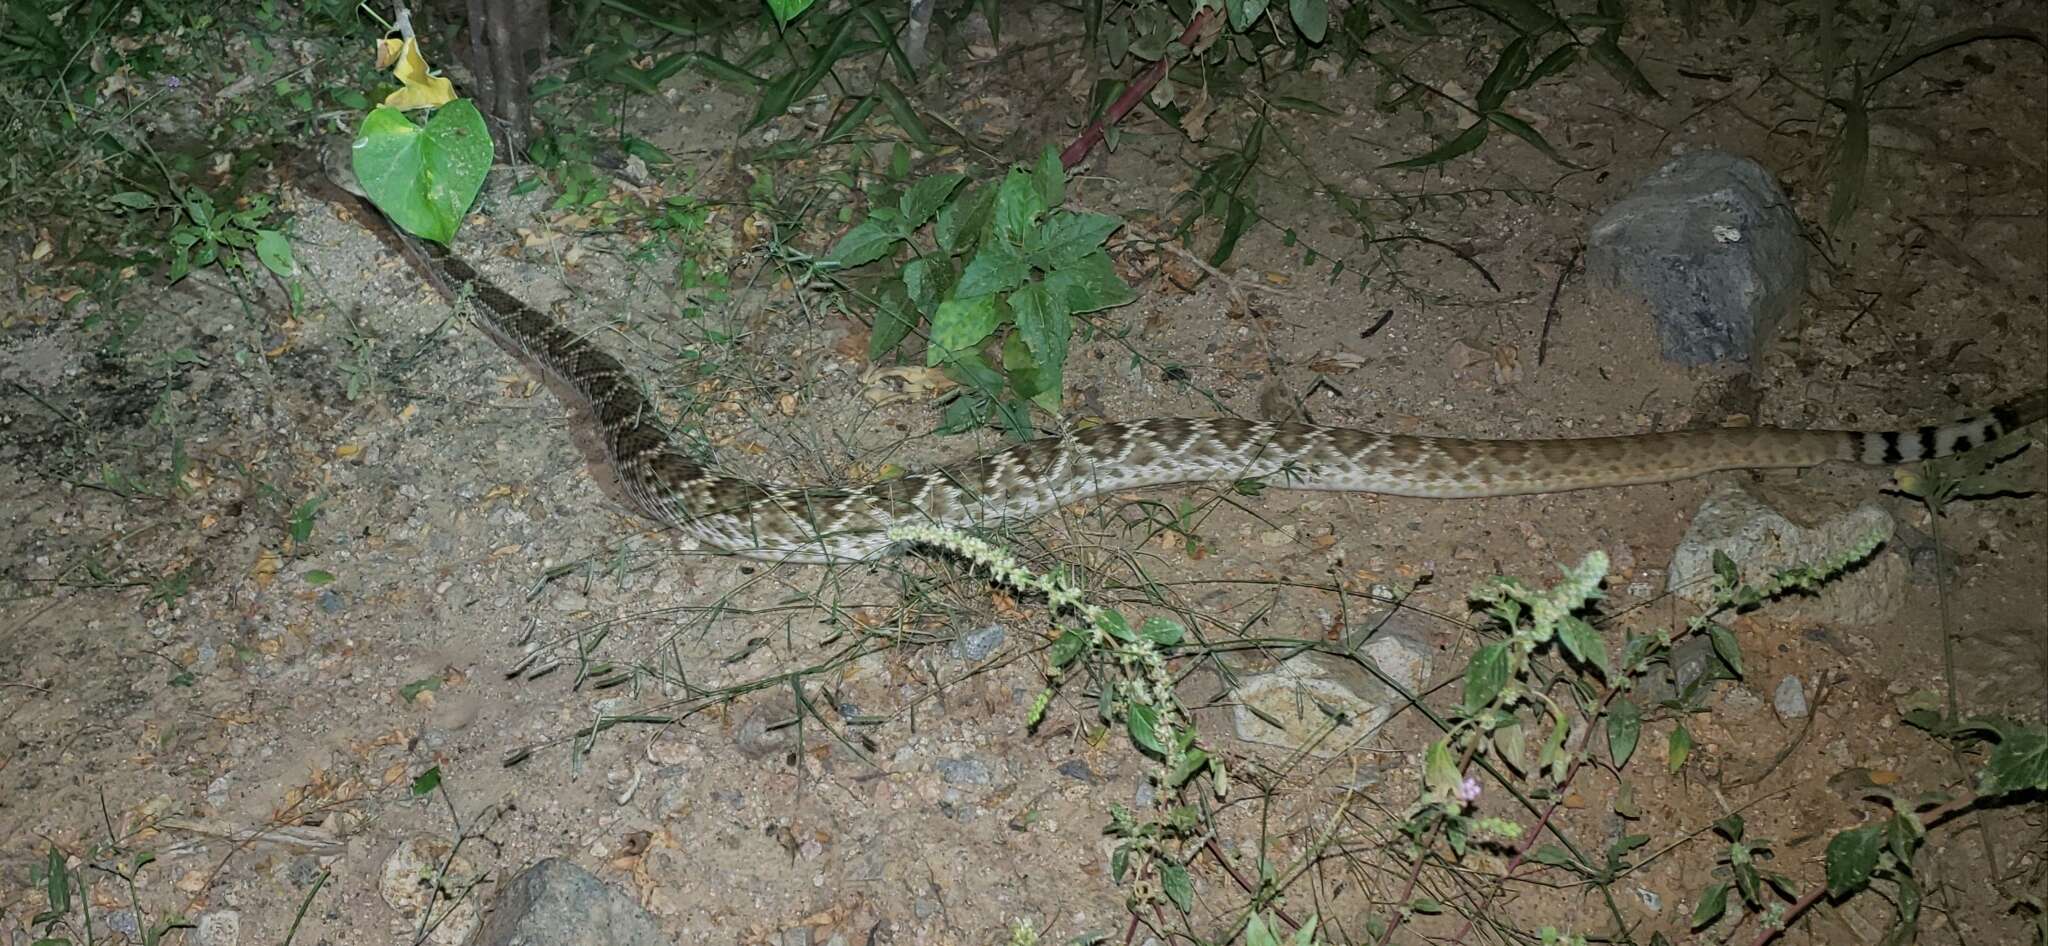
column 1183, row 274
column 852, row 344
column 1336, row 362
column 1195, row 123
column 1507, row 364
column 1470, row 362
column 421, row 88
column 899, row 384
column 266, row 568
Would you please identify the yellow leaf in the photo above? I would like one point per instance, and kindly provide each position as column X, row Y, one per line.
column 266, row 568
column 422, row 89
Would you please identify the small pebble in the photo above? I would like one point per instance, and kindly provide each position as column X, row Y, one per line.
column 1790, row 698
column 975, row 646
column 963, row 771
column 220, row 928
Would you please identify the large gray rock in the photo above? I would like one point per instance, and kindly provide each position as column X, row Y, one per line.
column 556, row 903
column 1326, row 704
column 1762, row 542
column 1710, row 245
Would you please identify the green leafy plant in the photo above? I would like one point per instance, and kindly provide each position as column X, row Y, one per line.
column 1849, row 159
column 1745, row 878
column 423, row 176
column 299, row 526
column 1128, row 661
column 1508, row 708
column 206, row 235
column 998, row 271
column 67, row 904
column 1882, row 851
column 1146, row 856
column 1262, row 930
column 1229, row 60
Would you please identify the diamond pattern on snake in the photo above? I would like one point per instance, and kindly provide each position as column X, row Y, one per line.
column 787, row 522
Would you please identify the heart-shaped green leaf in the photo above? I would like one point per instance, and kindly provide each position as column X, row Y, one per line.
column 423, row 178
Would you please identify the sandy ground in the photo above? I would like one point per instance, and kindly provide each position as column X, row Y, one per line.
column 187, row 673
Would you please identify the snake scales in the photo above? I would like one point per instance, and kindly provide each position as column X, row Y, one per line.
column 820, row 524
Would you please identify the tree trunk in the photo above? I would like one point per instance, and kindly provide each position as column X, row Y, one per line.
column 508, row 40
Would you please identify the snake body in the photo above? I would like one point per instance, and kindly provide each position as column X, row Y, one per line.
column 820, row 524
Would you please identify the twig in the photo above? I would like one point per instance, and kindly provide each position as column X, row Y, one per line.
column 1550, row 313
column 1249, row 887
column 1584, row 756
column 1072, row 154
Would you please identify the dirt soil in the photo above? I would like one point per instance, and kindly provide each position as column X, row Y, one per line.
column 192, row 674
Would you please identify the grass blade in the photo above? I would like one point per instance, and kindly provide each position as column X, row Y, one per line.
column 1899, row 62
column 1607, row 52
column 1409, row 16
column 905, row 114
column 1472, row 137
column 1526, row 132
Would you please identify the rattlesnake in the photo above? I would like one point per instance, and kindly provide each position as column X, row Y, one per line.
column 818, row 524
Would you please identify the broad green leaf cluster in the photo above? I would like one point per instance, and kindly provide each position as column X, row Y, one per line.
column 997, row 271
column 206, row 235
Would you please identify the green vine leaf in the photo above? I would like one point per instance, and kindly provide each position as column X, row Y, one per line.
column 959, row 325
column 1485, row 674
column 1090, row 284
column 1851, row 858
column 1465, row 141
column 1143, row 723
column 924, row 198
column 997, row 267
column 1624, row 727
column 1018, row 204
column 2019, row 763
column 868, row 241
column 423, row 177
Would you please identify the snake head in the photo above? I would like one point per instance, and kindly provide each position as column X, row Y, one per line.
column 337, row 159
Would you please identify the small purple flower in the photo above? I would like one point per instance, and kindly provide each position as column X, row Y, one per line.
column 173, row 82
column 1468, row 790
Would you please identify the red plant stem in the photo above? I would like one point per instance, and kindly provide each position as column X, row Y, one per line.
column 1249, row 887
column 1422, row 858
column 1542, row 822
column 1090, row 136
column 1928, row 820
